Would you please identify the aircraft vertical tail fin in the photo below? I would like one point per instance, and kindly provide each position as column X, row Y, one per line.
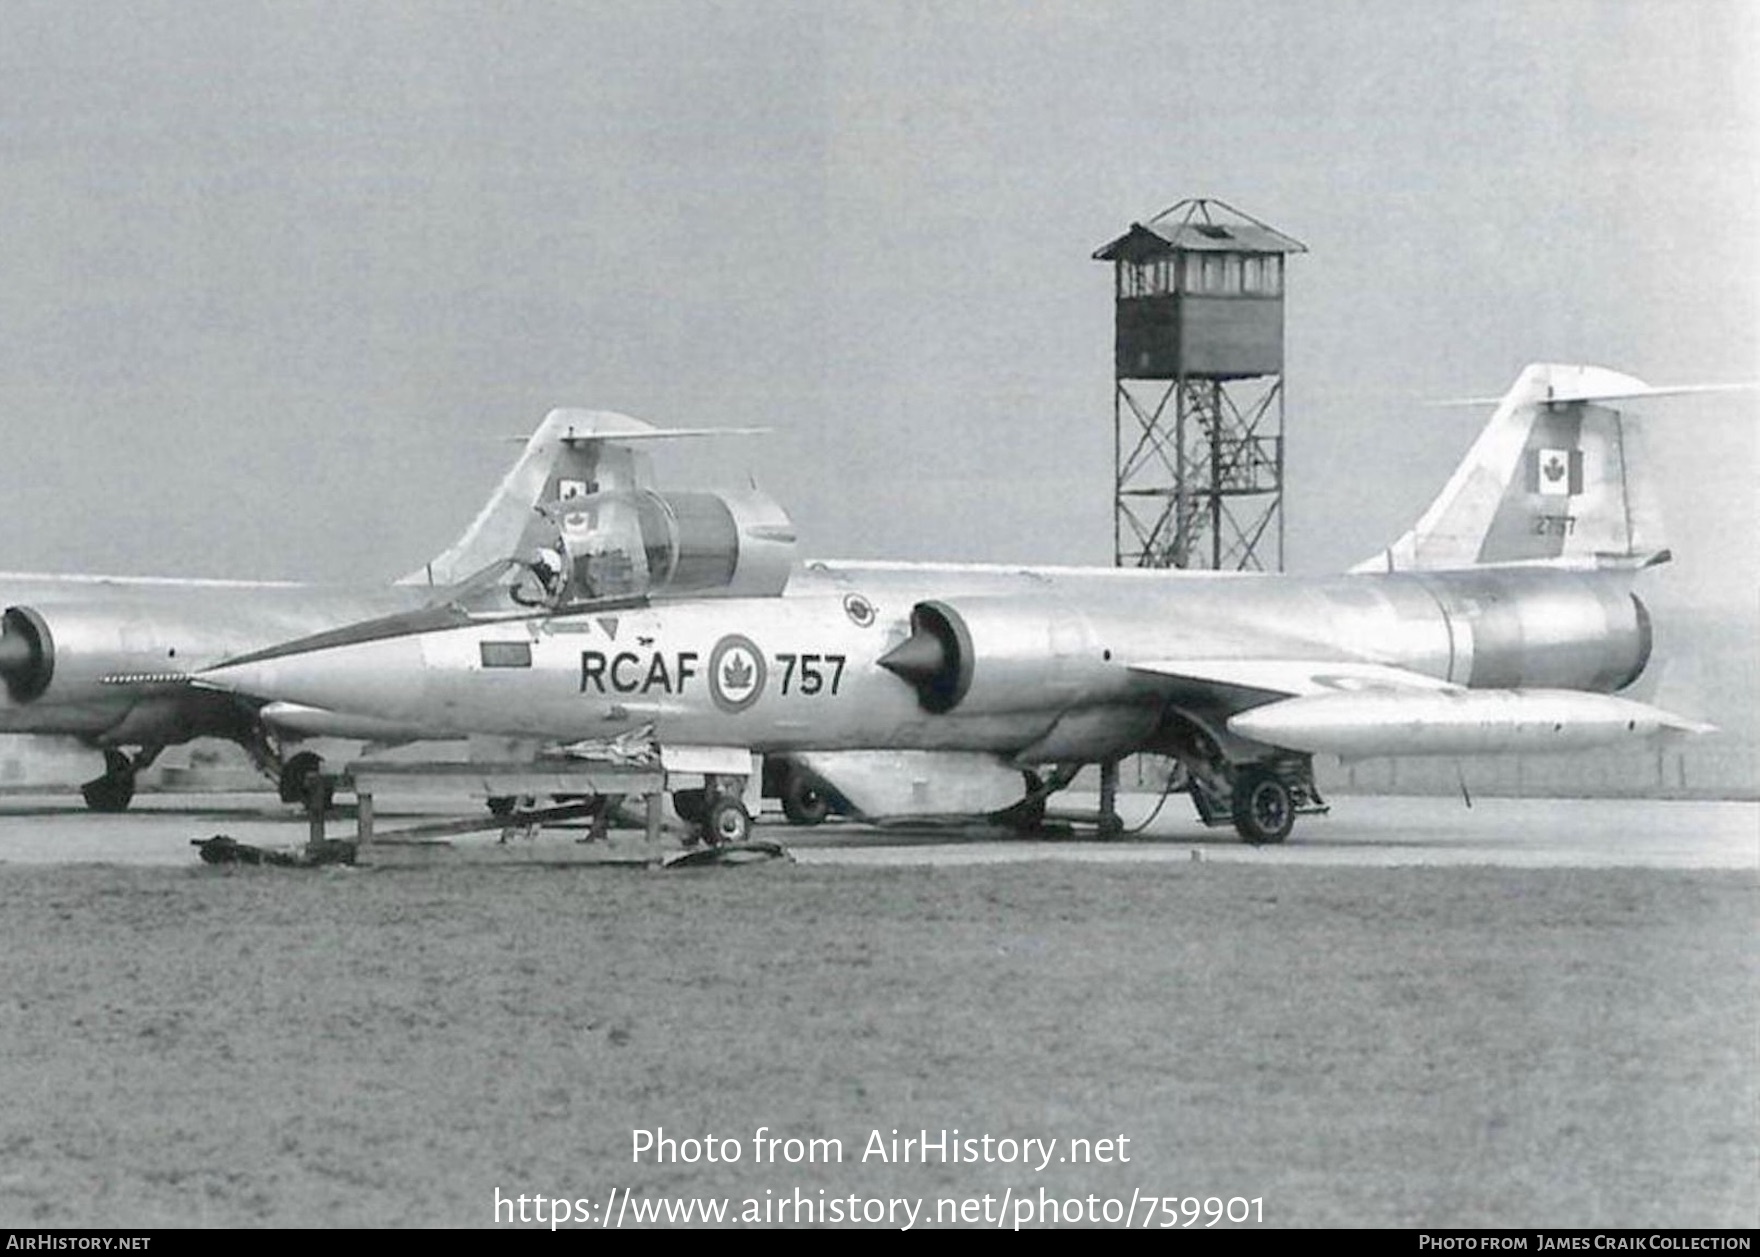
column 1558, row 475
column 573, row 453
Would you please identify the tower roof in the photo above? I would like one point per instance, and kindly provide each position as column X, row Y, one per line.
column 1198, row 224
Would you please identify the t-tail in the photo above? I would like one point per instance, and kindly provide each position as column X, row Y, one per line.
column 1558, row 477
column 574, row 453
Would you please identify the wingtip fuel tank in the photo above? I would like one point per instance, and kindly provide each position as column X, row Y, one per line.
column 1363, row 724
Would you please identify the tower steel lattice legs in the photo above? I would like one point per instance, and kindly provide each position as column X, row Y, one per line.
column 1199, row 473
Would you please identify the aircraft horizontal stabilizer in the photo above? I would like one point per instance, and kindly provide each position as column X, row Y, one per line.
column 1455, row 722
column 1293, row 676
column 1572, row 392
column 662, row 433
column 570, row 425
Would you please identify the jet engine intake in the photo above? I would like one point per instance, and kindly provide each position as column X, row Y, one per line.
column 936, row 659
column 990, row 656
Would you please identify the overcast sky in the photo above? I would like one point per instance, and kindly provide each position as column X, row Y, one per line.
column 277, row 279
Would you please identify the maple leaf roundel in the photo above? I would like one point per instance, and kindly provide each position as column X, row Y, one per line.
column 736, row 673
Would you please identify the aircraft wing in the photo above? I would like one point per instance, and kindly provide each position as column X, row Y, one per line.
column 1292, row 677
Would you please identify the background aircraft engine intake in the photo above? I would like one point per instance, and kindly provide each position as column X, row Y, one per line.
column 72, row 654
column 1000, row 655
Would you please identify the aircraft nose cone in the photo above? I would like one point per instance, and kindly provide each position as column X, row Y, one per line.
column 919, row 659
column 385, row 678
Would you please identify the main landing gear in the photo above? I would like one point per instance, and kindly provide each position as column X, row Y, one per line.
column 1263, row 806
column 803, row 802
column 1260, row 799
column 805, row 797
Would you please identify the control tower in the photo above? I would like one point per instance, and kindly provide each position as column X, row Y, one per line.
column 1198, row 389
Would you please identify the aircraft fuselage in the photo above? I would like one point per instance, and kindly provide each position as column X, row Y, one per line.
column 1042, row 665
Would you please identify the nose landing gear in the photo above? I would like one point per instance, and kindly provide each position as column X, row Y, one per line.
column 114, row 790
column 716, row 814
column 295, row 785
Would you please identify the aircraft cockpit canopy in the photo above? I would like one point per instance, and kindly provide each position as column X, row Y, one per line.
column 637, row 543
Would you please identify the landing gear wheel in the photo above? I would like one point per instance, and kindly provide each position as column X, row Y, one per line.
column 114, row 791
column 1264, row 812
column 318, row 803
column 294, row 775
column 804, row 803
column 1025, row 817
column 692, row 806
column 727, row 822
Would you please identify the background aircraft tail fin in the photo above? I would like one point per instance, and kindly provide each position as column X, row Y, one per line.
column 573, row 452
column 1558, row 475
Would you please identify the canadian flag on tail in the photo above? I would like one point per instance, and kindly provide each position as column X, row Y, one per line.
column 1556, row 473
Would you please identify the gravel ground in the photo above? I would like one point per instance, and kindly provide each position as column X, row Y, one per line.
column 1438, row 1047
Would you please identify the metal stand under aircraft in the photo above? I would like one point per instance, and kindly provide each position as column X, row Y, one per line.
column 582, row 788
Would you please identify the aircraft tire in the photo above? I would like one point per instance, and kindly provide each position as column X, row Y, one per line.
column 726, row 822
column 292, row 785
column 326, row 796
column 803, row 803
column 1264, row 811
column 692, row 806
column 1025, row 817
column 109, row 794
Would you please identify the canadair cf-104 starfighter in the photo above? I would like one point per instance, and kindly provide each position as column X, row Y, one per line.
column 108, row 660
column 1504, row 620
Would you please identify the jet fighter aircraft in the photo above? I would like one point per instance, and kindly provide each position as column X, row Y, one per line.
column 109, row 660
column 1504, row 620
